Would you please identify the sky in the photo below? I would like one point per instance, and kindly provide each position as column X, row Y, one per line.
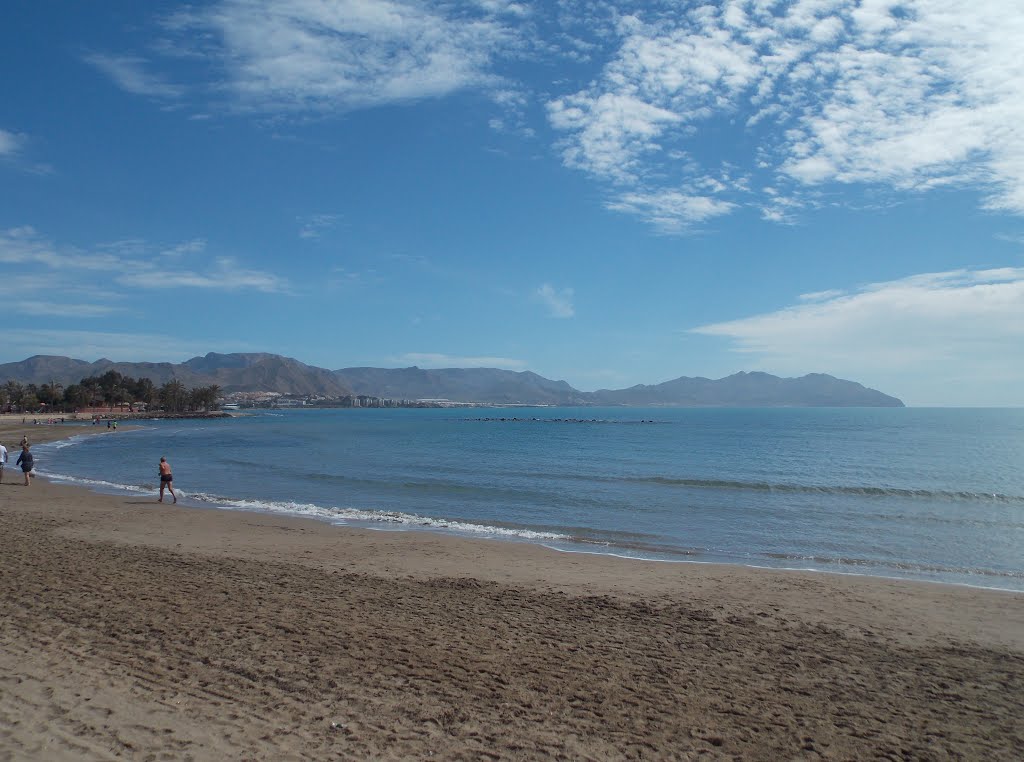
column 609, row 193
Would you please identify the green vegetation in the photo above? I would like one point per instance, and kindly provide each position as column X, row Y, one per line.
column 108, row 390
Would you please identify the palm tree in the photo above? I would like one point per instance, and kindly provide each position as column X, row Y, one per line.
column 52, row 393
column 145, row 391
column 92, row 391
column 173, row 396
column 214, row 391
column 29, row 400
column 15, row 393
column 76, row 396
column 119, row 395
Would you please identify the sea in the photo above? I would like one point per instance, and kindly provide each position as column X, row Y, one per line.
column 911, row 493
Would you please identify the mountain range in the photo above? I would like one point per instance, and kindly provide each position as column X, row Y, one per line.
column 260, row 371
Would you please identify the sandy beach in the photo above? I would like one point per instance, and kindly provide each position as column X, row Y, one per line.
column 133, row 630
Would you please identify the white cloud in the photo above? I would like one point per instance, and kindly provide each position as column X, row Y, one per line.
column 10, row 143
column 347, row 54
column 48, row 294
column 903, row 96
column 24, row 246
column 908, row 95
column 225, row 275
column 513, row 102
column 521, row 10
column 315, row 225
column 339, row 277
column 92, row 345
column 558, row 302
column 195, row 246
column 135, row 263
column 60, row 309
column 612, row 132
column 821, row 296
column 435, row 360
column 129, row 73
column 669, row 210
column 947, row 337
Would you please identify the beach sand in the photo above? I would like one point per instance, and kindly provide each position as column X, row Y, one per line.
column 134, row 630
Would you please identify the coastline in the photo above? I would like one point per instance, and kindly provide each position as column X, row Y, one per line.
column 695, row 545
column 130, row 627
column 28, row 419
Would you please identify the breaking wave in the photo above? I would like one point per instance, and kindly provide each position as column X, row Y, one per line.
column 340, row 515
column 822, row 490
column 333, row 514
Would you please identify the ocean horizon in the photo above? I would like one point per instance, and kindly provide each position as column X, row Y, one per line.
column 932, row 494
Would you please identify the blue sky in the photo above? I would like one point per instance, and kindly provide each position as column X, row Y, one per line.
column 609, row 193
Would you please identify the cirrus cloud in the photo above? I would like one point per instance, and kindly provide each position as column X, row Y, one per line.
column 558, row 301
column 133, row 263
column 131, row 75
column 10, row 143
column 346, row 54
column 437, row 360
column 92, row 345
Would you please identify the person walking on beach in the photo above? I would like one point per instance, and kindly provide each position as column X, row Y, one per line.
column 26, row 462
column 166, row 480
column 3, row 461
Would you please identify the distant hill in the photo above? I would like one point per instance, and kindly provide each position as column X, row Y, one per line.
column 489, row 385
column 750, row 390
column 504, row 386
column 42, row 369
column 232, row 372
column 269, row 372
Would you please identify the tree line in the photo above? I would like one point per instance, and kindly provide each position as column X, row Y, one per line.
column 111, row 389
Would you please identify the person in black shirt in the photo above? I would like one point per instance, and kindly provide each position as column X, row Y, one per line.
column 26, row 461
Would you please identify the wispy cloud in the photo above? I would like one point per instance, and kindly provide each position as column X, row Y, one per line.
column 339, row 277
column 130, row 74
column 907, row 96
column 195, row 246
column 337, row 56
column 821, row 296
column 135, row 263
column 14, row 150
column 801, row 95
column 315, row 225
column 10, row 143
column 435, row 360
column 24, row 246
column 92, row 345
column 60, row 309
column 558, row 302
column 929, row 330
column 669, row 210
column 225, row 274
column 46, row 293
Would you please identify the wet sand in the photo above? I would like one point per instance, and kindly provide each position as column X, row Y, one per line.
column 130, row 629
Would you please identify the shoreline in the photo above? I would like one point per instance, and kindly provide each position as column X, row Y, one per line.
column 131, row 628
column 56, row 432
column 458, row 535
column 35, row 420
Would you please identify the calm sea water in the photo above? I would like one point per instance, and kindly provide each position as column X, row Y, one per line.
column 931, row 494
